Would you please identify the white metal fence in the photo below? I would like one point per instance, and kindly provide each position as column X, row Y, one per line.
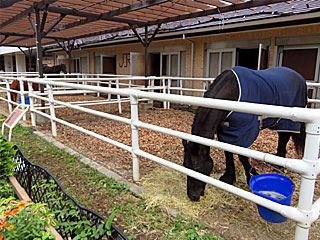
column 304, row 214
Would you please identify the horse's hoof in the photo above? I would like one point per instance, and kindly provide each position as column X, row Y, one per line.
column 227, row 179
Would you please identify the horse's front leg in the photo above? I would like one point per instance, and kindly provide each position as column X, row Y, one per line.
column 249, row 170
column 230, row 175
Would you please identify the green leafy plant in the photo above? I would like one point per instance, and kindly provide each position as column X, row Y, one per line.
column 20, row 220
column 191, row 230
column 7, row 154
column 6, row 189
column 69, row 216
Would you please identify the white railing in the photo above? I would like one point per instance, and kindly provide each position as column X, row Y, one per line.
column 304, row 214
column 118, row 81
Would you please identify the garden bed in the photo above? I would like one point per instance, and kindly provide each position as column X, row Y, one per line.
column 34, row 183
column 24, row 197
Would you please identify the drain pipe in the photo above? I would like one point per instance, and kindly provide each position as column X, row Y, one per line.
column 192, row 50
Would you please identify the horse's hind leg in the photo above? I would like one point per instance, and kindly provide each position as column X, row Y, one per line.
column 229, row 176
column 282, row 143
column 249, row 170
column 13, row 97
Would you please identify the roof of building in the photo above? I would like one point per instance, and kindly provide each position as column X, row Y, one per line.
column 92, row 21
column 276, row 14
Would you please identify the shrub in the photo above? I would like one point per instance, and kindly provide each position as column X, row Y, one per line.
column 6, row 189
column 7, row 154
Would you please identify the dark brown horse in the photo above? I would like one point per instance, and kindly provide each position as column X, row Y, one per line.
column 15, row 85
column 275, row 86
column 55, row 69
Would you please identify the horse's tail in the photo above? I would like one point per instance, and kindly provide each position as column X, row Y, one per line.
column 299, row 140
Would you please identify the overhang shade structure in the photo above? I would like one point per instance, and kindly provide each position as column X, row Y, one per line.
column 22, row 21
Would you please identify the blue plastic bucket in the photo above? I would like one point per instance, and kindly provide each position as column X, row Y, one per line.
column 275, row 187
column 26, row 100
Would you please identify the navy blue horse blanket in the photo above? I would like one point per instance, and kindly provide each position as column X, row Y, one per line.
column 275, row 86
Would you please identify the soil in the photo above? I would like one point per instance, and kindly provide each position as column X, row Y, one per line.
column 237, row 219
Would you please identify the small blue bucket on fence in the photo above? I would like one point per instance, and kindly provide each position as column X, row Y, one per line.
column 26, row 100
column 275, row 187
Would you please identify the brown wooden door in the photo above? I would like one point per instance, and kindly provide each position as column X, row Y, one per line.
column 109, row 65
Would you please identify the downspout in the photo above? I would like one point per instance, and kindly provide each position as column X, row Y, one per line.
column 192, row 56
column 259, row 56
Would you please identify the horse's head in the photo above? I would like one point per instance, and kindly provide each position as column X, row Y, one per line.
column 196, row 157
column 63, row 68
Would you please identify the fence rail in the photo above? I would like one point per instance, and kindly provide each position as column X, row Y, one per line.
column 309, row 168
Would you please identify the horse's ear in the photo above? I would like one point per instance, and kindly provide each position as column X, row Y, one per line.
column 185, row 143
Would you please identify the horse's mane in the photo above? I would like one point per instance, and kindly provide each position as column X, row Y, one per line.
column 206, row 120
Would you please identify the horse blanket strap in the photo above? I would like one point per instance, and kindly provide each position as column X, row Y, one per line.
column 275, row 86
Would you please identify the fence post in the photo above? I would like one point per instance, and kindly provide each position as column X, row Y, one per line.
column 118, row 97
column 9, row 96
column 307, row 186
column 52, row 112
column 135, row 137
column 109, row 86
column 33, row 115
column 23, row 102
column 98, row 85
column 169, row 86
column 83, row 82
column 151, row 86
column 164, row 92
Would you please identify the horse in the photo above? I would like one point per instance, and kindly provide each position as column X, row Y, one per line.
column 55, row 69
column 274, row 86
column 15, row 85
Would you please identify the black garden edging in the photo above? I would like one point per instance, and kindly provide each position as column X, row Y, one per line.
column 31, row 178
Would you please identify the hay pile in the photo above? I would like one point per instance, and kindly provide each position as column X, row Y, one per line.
column 168, row 188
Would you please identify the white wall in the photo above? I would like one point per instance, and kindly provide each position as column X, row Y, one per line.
column 8, row 64
column 21, row 62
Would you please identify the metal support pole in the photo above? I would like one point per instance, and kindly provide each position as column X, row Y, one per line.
column 33, row 115
column 39, row 51
column 146, row 45
column 135, row 137
column 30, row 60
column 306, row 195
column 259, row 56
column 69, row 62
column 52, row 112
column 146, row 65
